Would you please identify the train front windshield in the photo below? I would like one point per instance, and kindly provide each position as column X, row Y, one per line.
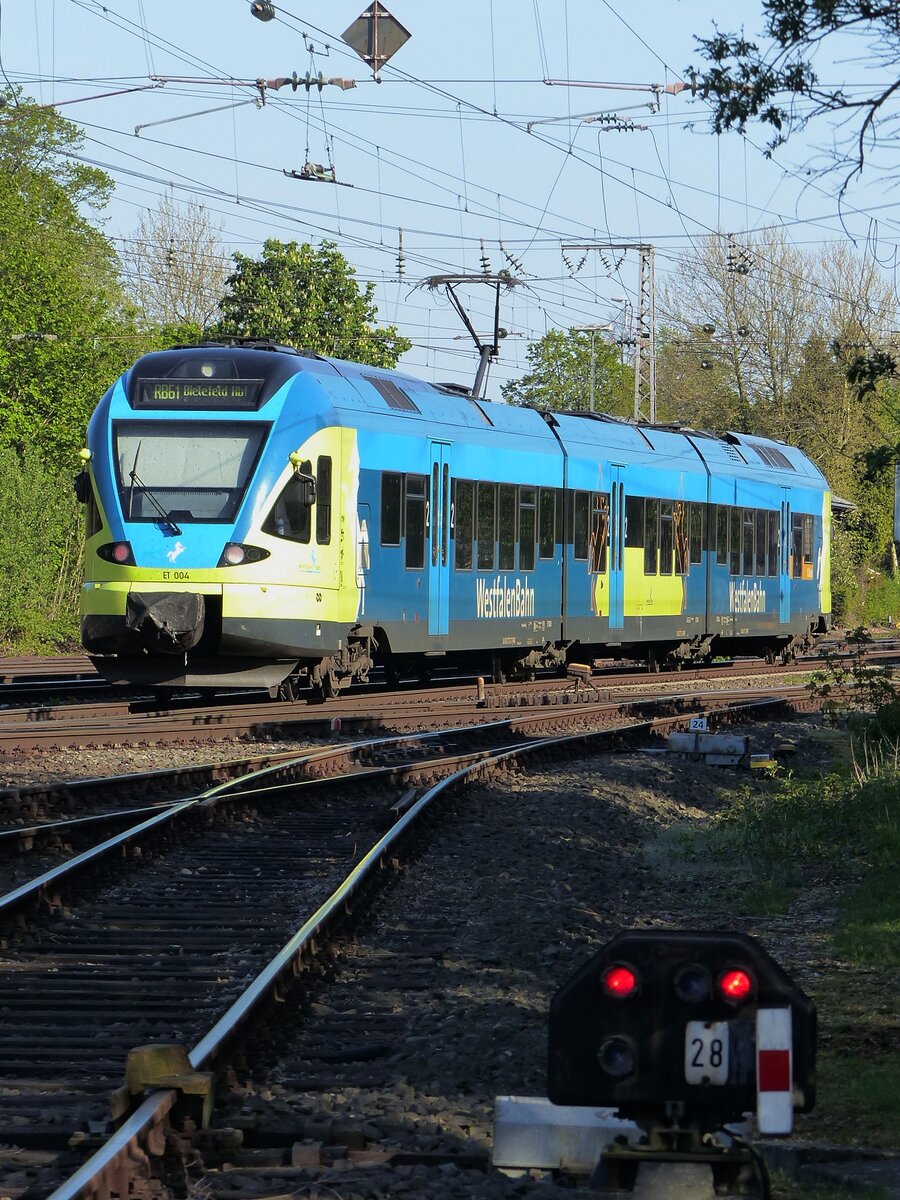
column 189, row 471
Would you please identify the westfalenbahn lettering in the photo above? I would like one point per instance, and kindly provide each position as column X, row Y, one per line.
column 746, row 598
column 500, row 598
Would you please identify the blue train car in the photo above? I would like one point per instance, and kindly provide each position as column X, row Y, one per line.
column 258, row 515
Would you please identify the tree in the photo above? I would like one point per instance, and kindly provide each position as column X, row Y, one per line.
column 560, row 375
column 306, row 297
column 40, row 554
column 758, row 337
column 771, row 84
column 761, row 313
column 64, row 328
column 175, row 268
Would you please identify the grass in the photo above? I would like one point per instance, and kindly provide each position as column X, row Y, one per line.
column 835, row 834
column 789, row 1189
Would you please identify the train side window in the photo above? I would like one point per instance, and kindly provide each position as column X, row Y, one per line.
column 415, row 521
column 808, row 570
column 761, row 541
column 446, row 516
column 747, row 542
column 773, row 543
column 463, row 523
column 289, row 517
column 722, row 535
column 600, row 533
column 651, row 537
column 527, row 527
column 92, row 522
column 507, row 558
column 391, row 508
column 634, row 521
column 323, row 499
column 666, row 536
column 580, row 524
column 435, row 512
column 695, row 533
column 487, row 525
column 681, row 524
column 547, row 523
column 734, row 522
column 797, row 546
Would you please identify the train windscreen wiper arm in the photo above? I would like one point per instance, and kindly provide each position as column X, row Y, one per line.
column 136, row 479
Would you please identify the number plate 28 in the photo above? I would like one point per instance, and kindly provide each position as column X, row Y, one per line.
column 706, row 1052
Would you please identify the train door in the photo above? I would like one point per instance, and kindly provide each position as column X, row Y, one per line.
column 617, row 549
column 784, row 560
column 438, row 525
column 361, row 562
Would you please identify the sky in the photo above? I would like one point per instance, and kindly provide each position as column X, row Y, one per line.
column 463, row 151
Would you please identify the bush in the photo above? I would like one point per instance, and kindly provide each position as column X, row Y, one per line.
column 40, row 555
column 879, row 601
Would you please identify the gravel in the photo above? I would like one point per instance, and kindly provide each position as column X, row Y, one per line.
column 443, row 999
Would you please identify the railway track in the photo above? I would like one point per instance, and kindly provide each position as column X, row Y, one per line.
column 53, row 820
column 159, row 954
column 190, row 721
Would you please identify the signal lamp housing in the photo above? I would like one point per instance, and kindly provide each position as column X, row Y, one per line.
column 616, row 1057
column 693, row 984
column 735, row 985
column 619, row 981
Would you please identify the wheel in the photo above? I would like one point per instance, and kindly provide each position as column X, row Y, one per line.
column 289, row 689
column 329, row 686
column 498, row 669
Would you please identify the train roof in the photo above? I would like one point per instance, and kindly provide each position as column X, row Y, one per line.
column 385, row 392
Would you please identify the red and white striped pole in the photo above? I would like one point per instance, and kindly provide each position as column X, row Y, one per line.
column 774, row 1071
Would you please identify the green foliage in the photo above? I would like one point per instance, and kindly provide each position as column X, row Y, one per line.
column 560, row 375
column 40, row 552
column 305, row 296
column 854, row 680
column 745, row 82
column 65, row 327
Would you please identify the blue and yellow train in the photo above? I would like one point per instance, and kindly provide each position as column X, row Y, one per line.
column 262, row 516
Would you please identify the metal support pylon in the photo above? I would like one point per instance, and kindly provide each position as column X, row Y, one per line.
column 645, row 331
column 645, row 342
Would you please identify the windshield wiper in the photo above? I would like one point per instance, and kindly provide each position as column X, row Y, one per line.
column 136, row 479
column 132, row 475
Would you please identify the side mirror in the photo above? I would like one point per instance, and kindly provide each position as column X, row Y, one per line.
column 307, row 484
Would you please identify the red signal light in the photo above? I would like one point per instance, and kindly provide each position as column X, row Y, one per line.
column 735, row 985
column 619, row 981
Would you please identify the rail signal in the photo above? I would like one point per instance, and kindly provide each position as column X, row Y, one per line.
column 703, row 1025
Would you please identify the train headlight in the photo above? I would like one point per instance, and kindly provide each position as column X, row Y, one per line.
column 119, row 553
column 236, row 554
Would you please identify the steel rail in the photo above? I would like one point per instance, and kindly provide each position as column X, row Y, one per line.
column 19, row 832
column 33, row 889
column 91, row 1181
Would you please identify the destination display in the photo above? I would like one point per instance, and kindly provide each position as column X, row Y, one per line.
column 240, row 394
